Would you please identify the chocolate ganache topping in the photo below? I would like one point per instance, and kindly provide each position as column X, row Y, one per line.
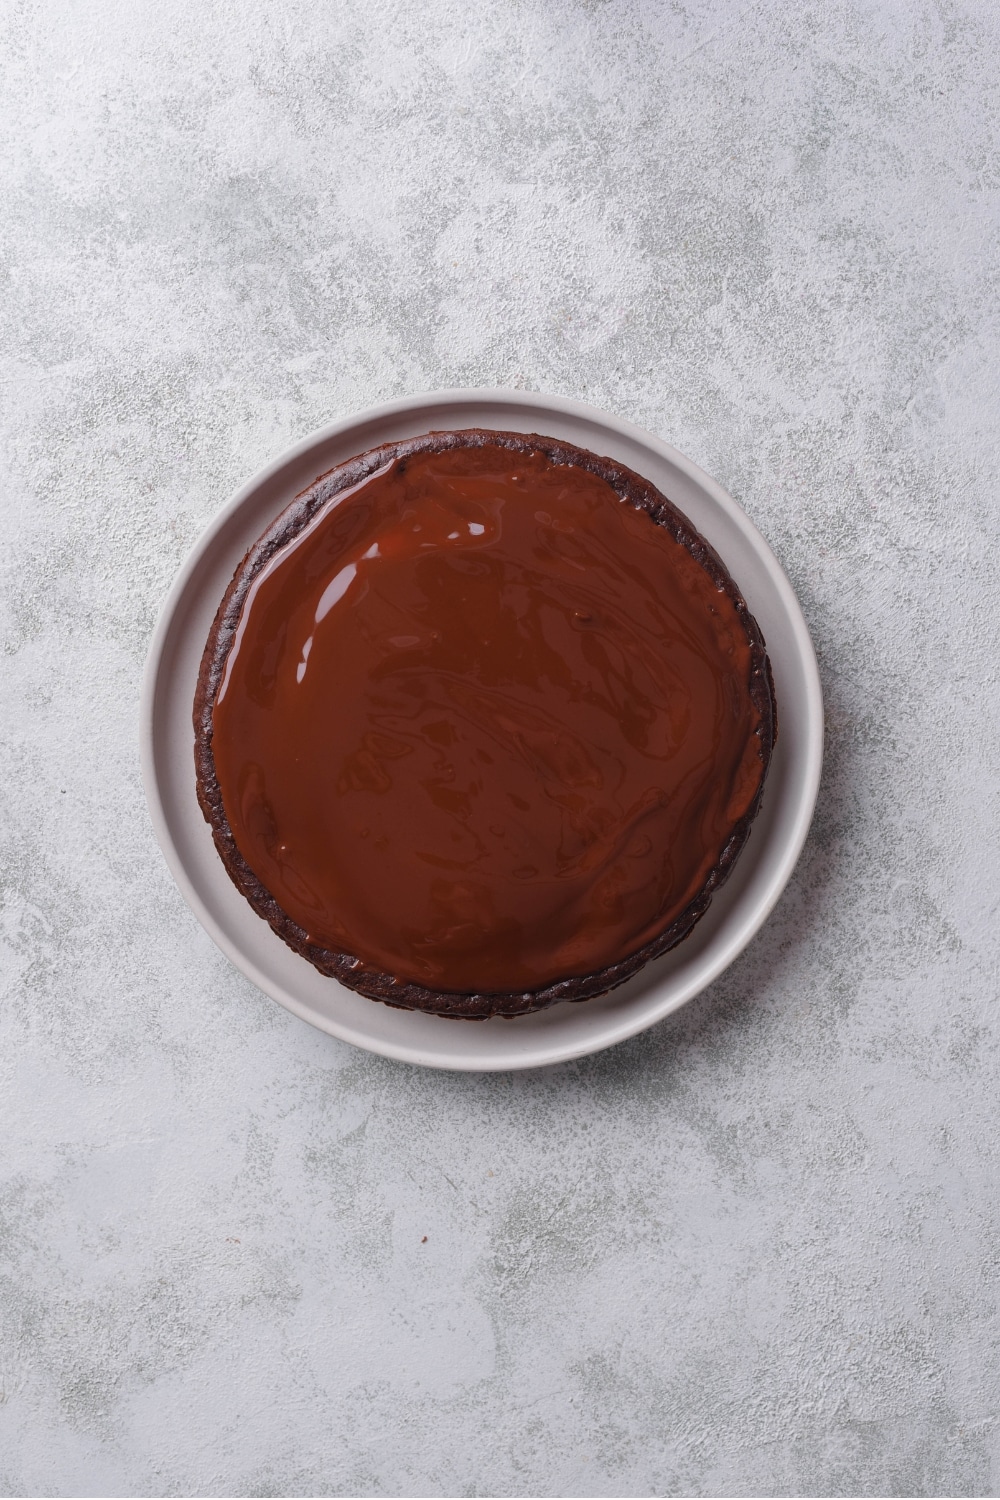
column 481, row 724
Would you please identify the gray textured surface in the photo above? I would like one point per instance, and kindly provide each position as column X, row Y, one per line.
column 754, row 1251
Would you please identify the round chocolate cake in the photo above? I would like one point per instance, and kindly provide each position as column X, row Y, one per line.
column 481, row 724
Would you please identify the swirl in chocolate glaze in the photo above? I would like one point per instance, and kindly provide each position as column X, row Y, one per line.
column 482, row 723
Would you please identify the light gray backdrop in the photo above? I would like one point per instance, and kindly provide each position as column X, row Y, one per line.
column 755, row 1251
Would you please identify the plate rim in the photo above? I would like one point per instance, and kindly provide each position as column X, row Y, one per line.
column 720, row 957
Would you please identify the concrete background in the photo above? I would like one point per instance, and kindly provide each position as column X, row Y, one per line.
column 754, row 1251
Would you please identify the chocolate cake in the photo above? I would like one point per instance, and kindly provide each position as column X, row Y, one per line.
column 482, row 723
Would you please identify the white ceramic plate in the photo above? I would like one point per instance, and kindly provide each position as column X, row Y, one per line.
column 564, row 1031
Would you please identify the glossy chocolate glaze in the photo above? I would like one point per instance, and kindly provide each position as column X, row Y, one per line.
column 482, row 724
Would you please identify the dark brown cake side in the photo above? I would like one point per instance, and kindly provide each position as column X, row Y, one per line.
column 346, row 968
